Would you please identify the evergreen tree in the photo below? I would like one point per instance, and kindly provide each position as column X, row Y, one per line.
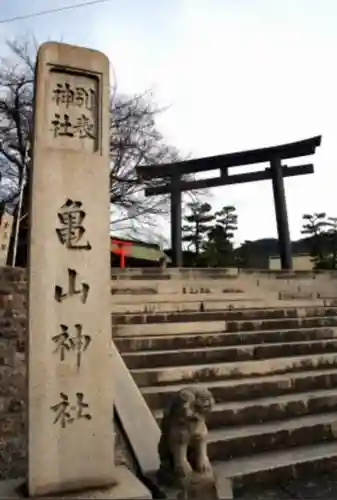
column 219, row 248
column 197, row 224
column 243, row 254
column 315, row 226
column 228, row 220
column 332, row 241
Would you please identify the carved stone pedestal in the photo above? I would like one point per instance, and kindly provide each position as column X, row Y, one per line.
column 196, row 487
column 127, row 487
column 185, row 472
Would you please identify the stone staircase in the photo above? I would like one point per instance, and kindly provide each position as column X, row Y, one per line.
column 270, row 363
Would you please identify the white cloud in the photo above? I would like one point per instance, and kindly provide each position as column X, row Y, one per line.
column 238, row 75
column 239, row 81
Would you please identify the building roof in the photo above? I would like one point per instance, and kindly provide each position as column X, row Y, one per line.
column 141, row 250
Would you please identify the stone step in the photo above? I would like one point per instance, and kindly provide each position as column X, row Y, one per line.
column 229, row 391
column 162, row 298
column 181, row 278
column 197, row 272
column 258, row 283
column 177, row 273
column 217, row 326
column 164, row 277
column 186, row 306
column 167, row 329
column 214, row 305
column 259, row 277
column 273, row 467
column 276, row 408
column 195, row 356
column 170, row 342
column 148, row 295
column 155, row 285
column 232, row 442
column 220, row 371
column 144, row 295
column 245, row 314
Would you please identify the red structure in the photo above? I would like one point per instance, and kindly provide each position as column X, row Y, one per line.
column 123, row 249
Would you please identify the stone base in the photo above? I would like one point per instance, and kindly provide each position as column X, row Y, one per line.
column 128, row 487
column 199, row 487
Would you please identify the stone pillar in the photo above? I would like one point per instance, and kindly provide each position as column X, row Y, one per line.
column 70, row 357
column 70, row 398
column 281, row 213
column 176, row 228
column 6, row 225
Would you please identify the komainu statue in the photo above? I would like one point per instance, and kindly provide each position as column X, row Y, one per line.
column 183, row 442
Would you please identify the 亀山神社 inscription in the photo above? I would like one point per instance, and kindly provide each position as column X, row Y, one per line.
column 77, row 343
column 70, row 364
column 74, row 110
column 66, row 413
column 71, row 231
column 82, row 290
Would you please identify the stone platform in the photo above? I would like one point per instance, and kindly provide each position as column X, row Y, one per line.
column 128, row 487
column 263, row 343
column 322, row 487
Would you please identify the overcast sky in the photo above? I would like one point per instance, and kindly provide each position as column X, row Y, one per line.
column 237, row 74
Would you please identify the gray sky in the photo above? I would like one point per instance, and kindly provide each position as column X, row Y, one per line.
column 237, row 74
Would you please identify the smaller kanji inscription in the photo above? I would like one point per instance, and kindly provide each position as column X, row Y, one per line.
column 71, row 216
column 74, row 120
column 65, row 342
column 78, row 96
column 82, row 291
column 82, row 126
column 66, row 413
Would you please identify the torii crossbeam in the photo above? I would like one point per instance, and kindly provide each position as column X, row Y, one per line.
column 276, row 172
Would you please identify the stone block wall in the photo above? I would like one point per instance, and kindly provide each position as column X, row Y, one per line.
column 13, row 333
column 13, row 336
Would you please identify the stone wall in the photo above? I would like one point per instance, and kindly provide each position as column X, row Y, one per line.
column 13, row 335
column 13, row 315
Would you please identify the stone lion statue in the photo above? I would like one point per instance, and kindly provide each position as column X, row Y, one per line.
column 183, row 442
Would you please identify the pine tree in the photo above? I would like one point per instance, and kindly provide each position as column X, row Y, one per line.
column 219, row 248
column 197, row 224
column 315, row 226
column 228, row 220
column 332, row 241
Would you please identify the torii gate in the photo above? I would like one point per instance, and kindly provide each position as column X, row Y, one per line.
column 276, row 172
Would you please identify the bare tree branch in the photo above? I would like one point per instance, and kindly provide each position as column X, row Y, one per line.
column 134, row 140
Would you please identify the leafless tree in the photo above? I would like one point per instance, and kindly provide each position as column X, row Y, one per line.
column 134, row 140
column 16, row 110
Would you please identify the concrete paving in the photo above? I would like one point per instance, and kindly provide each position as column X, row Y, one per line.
column 320, row 488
